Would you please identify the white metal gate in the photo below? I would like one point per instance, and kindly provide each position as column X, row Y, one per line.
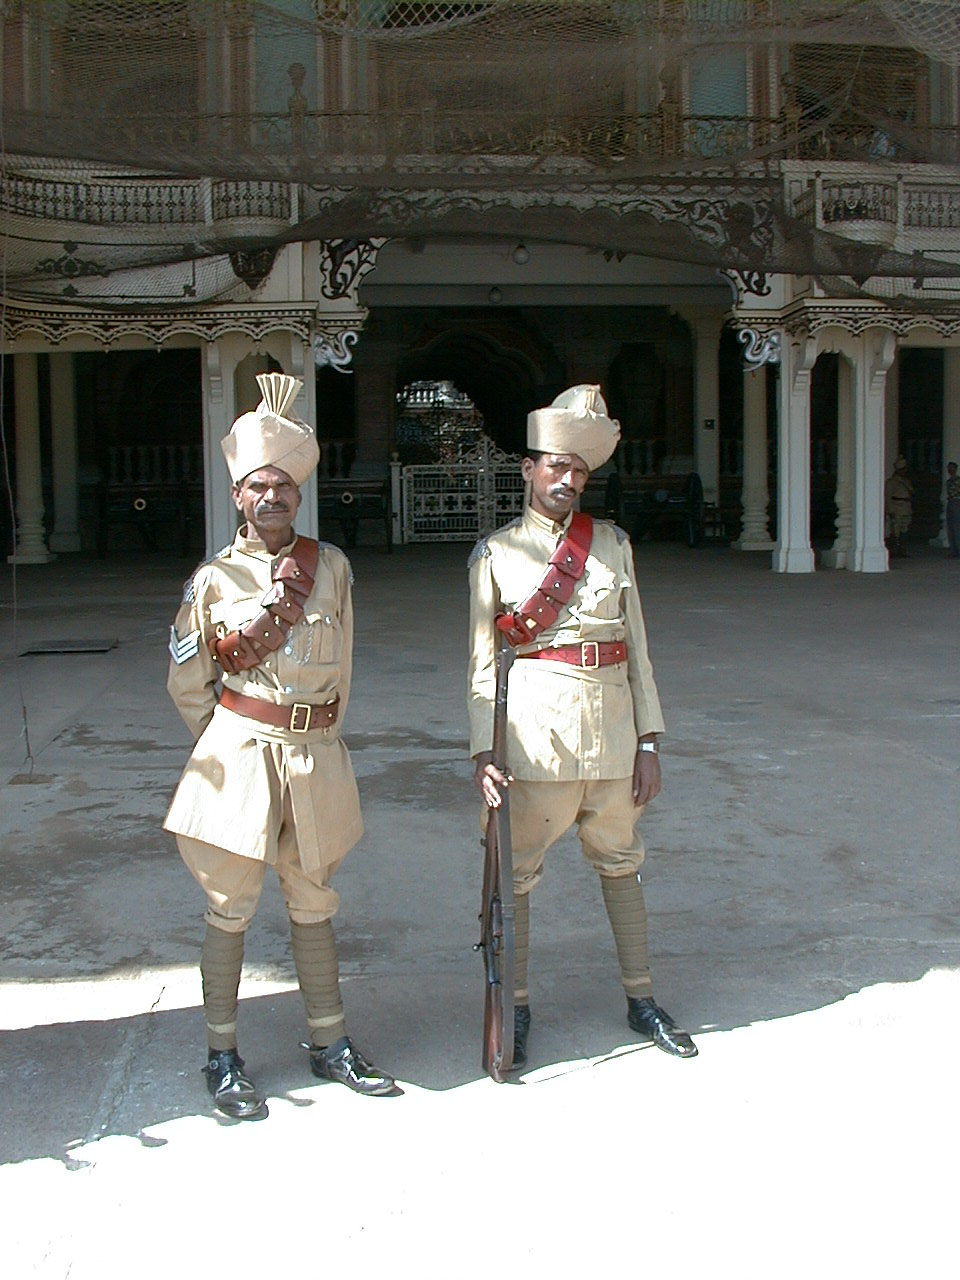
column 457, row 501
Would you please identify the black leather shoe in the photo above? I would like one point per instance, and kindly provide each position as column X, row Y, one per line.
column 653, row 1023
column 343, row 1062
column 234, row 1093
column 521, row 1029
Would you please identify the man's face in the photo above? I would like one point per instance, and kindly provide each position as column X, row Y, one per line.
column 267, row 499
column 556, row 481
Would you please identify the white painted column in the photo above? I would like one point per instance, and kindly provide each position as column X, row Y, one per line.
column 63, row 430
column 30, row 547
column 951, row 431
column 877, row 348
column 892, row 412
column 706, row 401
column 217, row 382
column 755, row 532
column 838, row 556
column 793, row 552
column 302, row 366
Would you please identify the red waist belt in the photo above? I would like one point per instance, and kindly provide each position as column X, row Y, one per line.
column 301, row 717
column 588, row 655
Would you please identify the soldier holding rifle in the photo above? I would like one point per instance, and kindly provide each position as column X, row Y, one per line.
column 583, row 715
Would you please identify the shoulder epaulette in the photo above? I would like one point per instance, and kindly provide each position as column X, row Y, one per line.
column 332, row 546
column 189, row 590
column 621, row 534
column 480, row 550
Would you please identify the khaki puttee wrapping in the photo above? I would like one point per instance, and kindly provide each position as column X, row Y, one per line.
column 623, row 899
column 521, row 947
column 221, row 962
column 318, row 971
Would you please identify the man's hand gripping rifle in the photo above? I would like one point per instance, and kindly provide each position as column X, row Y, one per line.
column 497, row 909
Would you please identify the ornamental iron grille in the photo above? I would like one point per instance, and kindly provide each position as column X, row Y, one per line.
column 458, row 501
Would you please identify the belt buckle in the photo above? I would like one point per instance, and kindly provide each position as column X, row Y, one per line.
column 585, row 645
column 295, row 711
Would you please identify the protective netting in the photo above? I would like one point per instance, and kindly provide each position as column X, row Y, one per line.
column 755, row 135
column 928, row 25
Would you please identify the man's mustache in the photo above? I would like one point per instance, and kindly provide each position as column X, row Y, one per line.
column 267, row 508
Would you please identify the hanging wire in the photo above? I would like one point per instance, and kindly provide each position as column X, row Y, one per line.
column 4, row 252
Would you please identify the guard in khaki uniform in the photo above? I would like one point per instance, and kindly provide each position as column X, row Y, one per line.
column 269, row 780
column 898, row 498
column 583, row 715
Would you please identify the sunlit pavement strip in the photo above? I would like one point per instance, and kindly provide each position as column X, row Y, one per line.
column 37, row 1004
column 796, row 1147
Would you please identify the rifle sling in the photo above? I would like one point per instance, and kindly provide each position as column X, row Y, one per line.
column 564, row 570
column 293, row 579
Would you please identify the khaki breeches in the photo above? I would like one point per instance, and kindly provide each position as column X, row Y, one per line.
column 233, row 883
column 606, row 817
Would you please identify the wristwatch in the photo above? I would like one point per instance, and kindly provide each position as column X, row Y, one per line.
column 650, row 746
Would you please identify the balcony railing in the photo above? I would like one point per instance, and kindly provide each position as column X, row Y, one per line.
column 292, row 143
column 118, row 203
column 270, row 200
column 838, row 198
column 129, row 201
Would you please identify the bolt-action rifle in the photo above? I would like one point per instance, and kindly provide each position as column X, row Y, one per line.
column 497, row 909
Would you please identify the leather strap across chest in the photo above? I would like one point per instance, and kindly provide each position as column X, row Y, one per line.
column 564, row 570
column 293, row 579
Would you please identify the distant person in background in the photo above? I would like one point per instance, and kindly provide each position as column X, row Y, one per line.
column 898, row 494
column 953, row 510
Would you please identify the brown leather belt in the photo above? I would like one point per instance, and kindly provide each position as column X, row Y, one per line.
column 588, row 655
column 301, row 717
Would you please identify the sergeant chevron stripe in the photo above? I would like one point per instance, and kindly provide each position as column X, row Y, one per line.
column 188, row 647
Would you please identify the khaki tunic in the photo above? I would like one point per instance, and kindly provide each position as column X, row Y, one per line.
column 898, row 492
column 563, row 723
column 230, row 792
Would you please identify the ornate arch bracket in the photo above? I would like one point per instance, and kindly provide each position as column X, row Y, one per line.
column 760, row 349
column 340, row 317
column 344, row 263
column 333, row 345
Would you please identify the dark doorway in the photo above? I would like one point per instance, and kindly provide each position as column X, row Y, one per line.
column 140, row 446
column 921, row 433
column 824, row 418
column 504, row 369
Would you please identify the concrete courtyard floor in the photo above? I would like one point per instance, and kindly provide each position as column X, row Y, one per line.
column 805, row 923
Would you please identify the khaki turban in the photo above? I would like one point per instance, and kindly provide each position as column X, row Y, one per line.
column 267, row 437
column 576, row 422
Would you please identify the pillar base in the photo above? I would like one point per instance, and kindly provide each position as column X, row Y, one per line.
column 835, row 558
column 65, row 542
column 31, row 557
column 869, row 560
column 753, row 544
column 793, row 560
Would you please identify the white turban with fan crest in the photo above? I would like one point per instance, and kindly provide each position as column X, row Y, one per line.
column 269, row 436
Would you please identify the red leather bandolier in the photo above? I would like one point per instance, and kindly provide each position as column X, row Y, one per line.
column 565, row 569
column 293, row 579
